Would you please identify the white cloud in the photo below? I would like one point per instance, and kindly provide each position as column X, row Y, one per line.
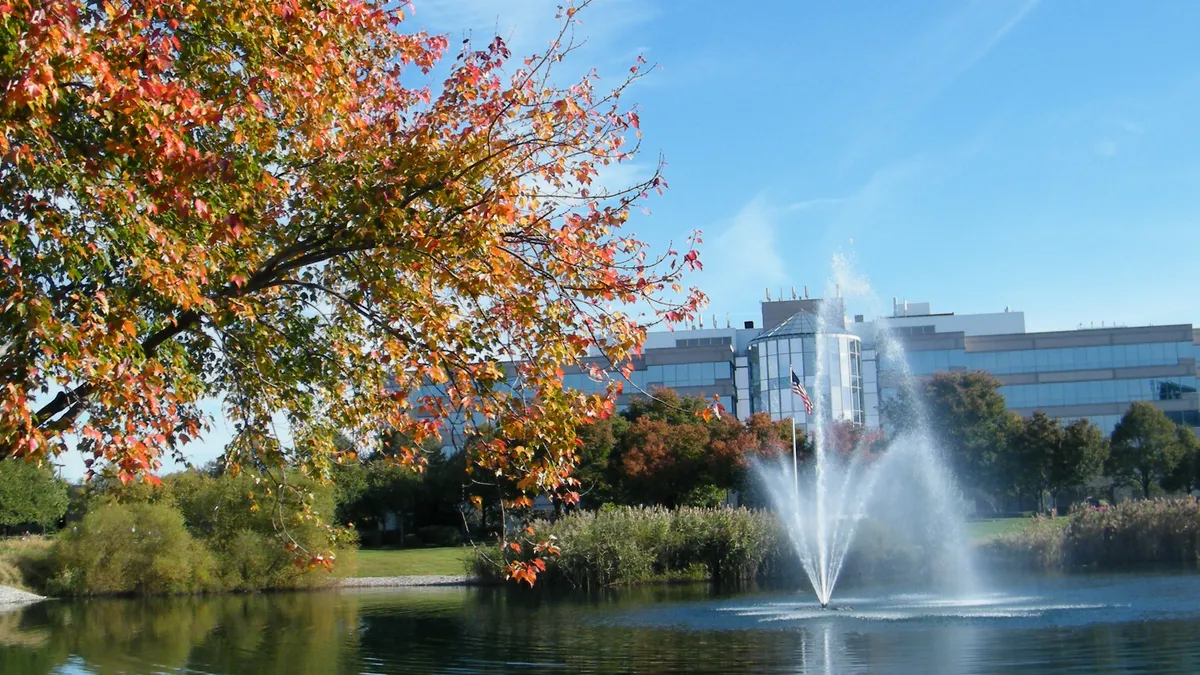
column 930, row 64
column 813, row 204
column 742, row 259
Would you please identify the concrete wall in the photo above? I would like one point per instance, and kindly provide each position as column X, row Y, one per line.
column 778, row 311
column 740, row 337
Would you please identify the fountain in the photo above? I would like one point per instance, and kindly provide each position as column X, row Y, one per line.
column 907, row 489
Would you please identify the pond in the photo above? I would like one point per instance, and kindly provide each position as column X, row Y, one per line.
column 1065, row 624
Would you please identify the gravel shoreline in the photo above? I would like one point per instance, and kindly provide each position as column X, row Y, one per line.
column 397, row 582
column 12, row 598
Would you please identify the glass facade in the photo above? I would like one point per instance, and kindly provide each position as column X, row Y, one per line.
column 1051, row 360
column 1047, row 395
column 1067, row 359
column 836, row 395
column 672, row 376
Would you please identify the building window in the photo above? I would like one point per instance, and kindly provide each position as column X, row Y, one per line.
column 704, row 342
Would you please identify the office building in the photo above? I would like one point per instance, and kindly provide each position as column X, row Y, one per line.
column 1092, row 373
column 1088, row 373
column 1084, row 373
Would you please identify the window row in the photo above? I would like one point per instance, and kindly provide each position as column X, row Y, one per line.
column 704, row 342
column 678, row 375
column 840, row 402
column 1051, row 360
column 1097, row 391
column 1081, row 358
column 1107, row 423
column 833, row 344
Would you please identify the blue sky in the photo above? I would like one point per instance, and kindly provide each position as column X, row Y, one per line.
column 974, row 154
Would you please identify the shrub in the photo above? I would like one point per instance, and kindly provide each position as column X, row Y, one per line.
column 250, row 539
column 26, row 562
column 131, row 548
column 30, row 494
column 440, row 535
column 623, row 545
column 412, row 541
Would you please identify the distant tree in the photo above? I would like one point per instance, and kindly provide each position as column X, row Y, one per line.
column 846, row 439
column 1033, row 447
column 368, row 491
column 664, row 461
column 670, row 455
column 666, row 405
column 443, row 490
column 1079, row 457
column 901, row 409
column 598, row 446
column 30, row 494
column 1186, row 475
column 1145, row 447
column 969, row 418
column 773, row 438
column 372, row 485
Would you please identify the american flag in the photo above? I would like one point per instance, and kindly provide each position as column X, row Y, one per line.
column 799, row 390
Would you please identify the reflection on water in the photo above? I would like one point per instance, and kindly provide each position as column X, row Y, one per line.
column 1067, row 624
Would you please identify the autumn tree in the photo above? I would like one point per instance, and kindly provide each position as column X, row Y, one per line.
column 665, row 463
column 268, row 202
column 848, row 439
column 668, row 454
column 1145, row 448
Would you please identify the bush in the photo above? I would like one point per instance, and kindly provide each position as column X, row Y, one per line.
column 26, row 562
column 131, row 548
column 440, row 535
column 199, row 532
column 413, row 541
column 30, row 495
column 250, row 540
column 623, row 545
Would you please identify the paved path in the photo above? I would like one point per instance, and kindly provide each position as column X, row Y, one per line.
column 391, row 582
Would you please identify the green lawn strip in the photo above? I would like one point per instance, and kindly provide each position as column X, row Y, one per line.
column 412, row 561
column 983, row 531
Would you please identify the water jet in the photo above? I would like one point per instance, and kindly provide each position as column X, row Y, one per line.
column 905, row 487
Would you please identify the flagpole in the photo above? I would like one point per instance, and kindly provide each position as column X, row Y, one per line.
column 795, row 466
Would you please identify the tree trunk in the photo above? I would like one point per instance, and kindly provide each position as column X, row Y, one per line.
column 1145, row 486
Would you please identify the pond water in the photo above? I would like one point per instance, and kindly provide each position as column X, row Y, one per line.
column 1066, row 624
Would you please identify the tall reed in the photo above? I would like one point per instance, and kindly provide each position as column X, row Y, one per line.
column 1160, row 531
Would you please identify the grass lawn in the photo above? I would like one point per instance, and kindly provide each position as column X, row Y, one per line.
column 985, row 530
column 412, row 561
